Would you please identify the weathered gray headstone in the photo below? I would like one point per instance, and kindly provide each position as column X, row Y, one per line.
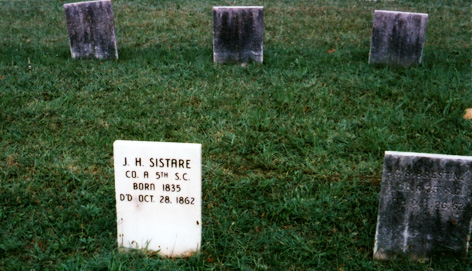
column 91, row 29
column 397, row 38
column 425, row 207
column 238, row 34
column 158, row 196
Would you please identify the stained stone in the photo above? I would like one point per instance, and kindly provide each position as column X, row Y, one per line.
column 397, row 38
column 238, row 34
column 91, row 29
column 425, row 207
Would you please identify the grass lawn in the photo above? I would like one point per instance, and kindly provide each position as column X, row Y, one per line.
column 292, row 149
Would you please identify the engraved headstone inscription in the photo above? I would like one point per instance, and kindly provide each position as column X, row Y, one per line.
column 158, row 196
column 91, row 30
column 238, row 34
column 397, row 38
column 425, row 207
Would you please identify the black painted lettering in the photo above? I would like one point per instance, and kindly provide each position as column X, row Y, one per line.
column 144, row 186
column 165, row 199
column 131, row 174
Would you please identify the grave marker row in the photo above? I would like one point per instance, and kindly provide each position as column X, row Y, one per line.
column 425, row 206
column 238, row 34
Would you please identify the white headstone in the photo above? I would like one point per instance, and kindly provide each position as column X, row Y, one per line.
column 158, row 196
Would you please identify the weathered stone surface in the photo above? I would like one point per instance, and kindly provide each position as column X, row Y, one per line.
column 91, row 29
column 425, row 206
column 238, row 34
column 397, row 38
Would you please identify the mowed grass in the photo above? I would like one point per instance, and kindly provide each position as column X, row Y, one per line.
column 292, row 148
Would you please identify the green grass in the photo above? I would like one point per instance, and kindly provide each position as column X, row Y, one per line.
column 292, row 149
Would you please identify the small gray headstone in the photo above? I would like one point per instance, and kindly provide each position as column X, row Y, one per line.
column 238, row 34
column 425, row 207
column 397, row 38
column 91, row 29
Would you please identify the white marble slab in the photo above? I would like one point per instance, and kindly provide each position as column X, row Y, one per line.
column 158, row 196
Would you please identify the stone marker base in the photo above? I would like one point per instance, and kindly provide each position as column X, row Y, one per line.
column 238, row 34
column 425, row 207
column 397, row 38
column 91, row 30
